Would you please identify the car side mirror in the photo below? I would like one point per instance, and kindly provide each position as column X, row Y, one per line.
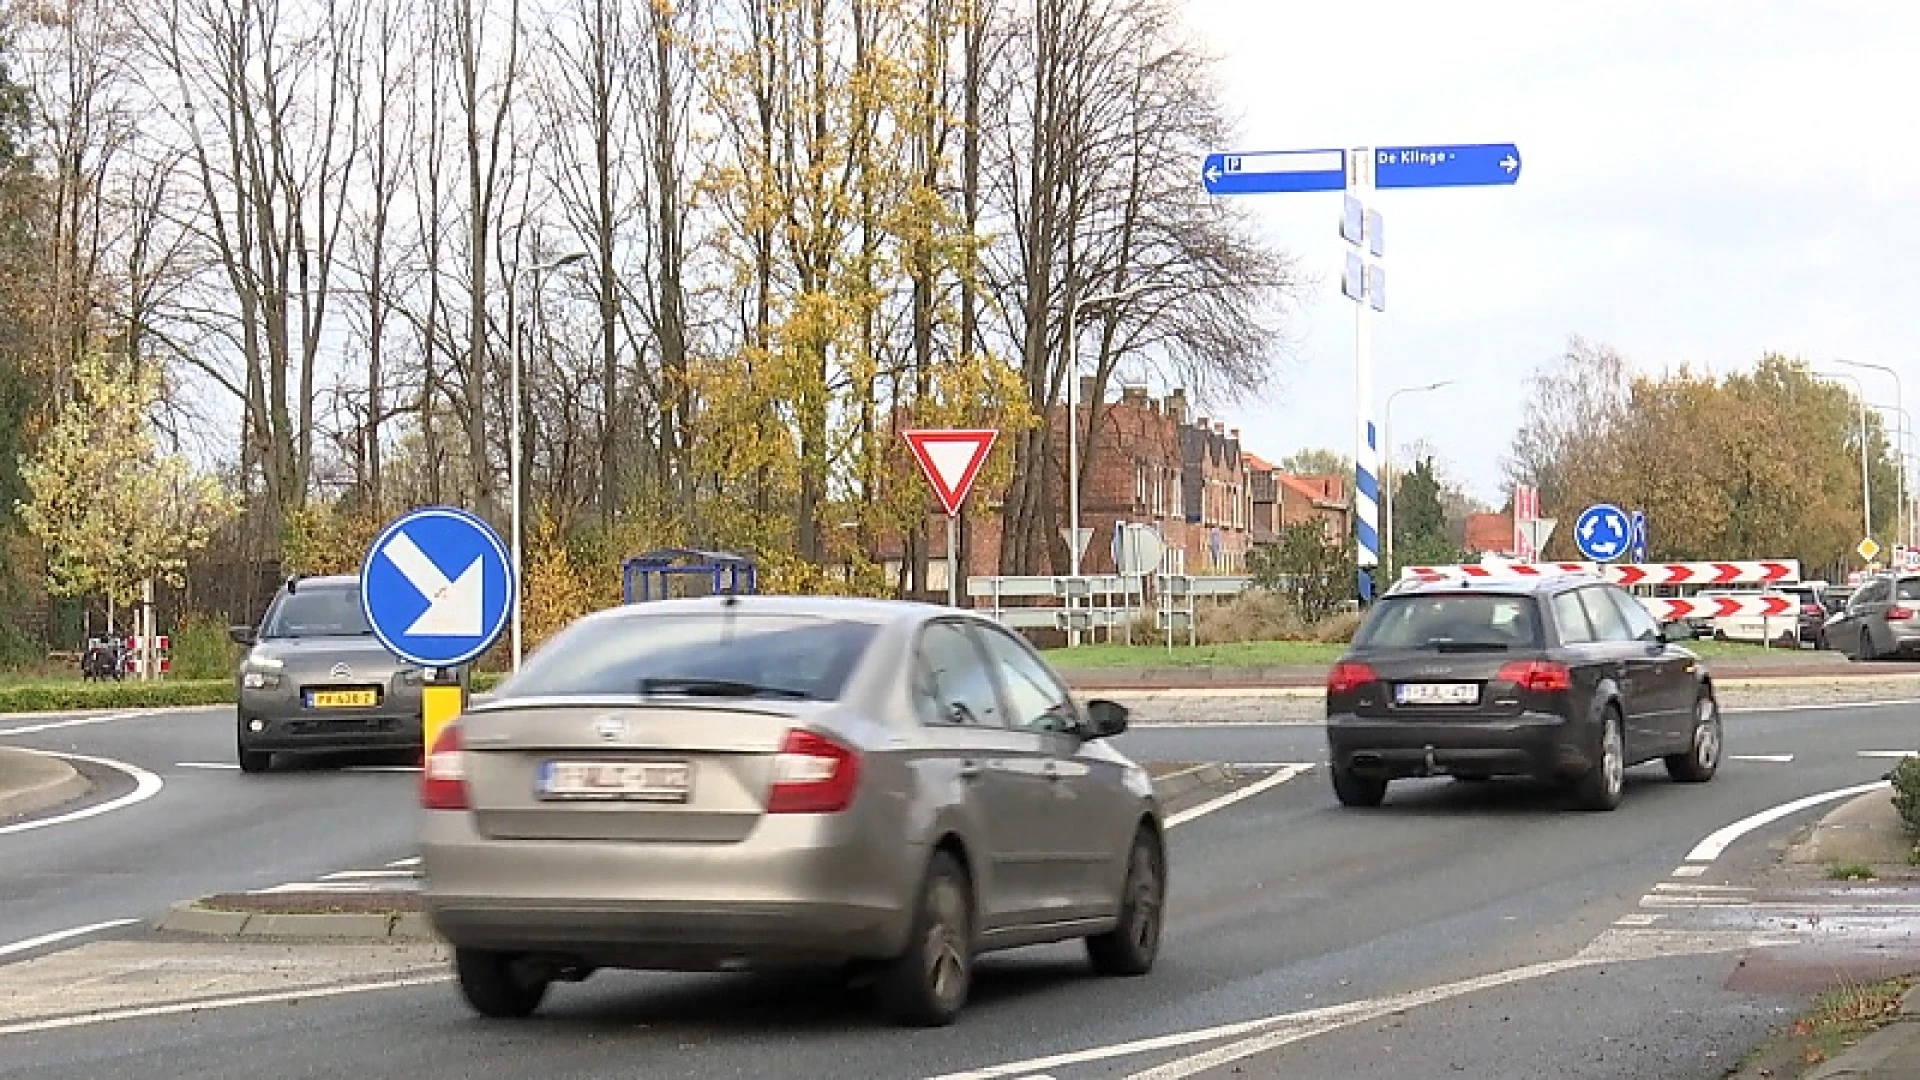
column 241, row 635
column 1105, row 719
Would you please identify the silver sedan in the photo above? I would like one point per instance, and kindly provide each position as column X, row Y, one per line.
column 888, row 789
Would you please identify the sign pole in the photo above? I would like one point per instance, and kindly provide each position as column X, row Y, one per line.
column 1366, row 500
column 953, row 560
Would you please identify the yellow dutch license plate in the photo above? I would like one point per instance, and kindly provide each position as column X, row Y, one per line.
column 345, row 699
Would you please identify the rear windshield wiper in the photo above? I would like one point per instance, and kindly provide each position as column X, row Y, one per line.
column 718, row 688
column 1447, row 646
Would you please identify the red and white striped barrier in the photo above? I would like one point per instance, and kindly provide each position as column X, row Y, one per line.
column 1471, row 571
column 1759, row 572
column 1763, row 572
column 1674, row 609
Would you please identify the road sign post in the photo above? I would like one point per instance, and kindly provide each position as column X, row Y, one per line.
column 1639, row 536
column 1360, row 172
column 437, row 589
column 951, row 459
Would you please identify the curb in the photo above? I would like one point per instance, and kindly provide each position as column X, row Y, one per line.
column 1867, row 1055
column 1178, row 785
column 57, row 782
column 189, row 917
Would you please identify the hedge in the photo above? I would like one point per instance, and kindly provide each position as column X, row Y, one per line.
column 89, row 697
column 161, row 694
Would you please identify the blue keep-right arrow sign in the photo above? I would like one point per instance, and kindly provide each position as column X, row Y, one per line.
column 1463, row 165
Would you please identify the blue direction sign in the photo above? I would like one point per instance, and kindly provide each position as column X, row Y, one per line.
column 1265, row 171
column 1603, row 532
column 1639, row 536
column 1474, row 165
column 437, row 586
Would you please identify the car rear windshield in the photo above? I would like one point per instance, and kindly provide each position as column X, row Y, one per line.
column 329, row 611
column 721, row 655
column 1909, row 589
column 1450, row 620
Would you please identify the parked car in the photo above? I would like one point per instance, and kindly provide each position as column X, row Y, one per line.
column 315, row 679
column 887, row 789
column 1814, row 610
column 1564, row 679
column 1881, row 619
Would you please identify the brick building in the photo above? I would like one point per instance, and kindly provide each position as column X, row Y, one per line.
column 1489, row 534
column 1216, row 499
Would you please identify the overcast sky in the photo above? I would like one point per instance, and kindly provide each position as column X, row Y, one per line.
column 1702, row 182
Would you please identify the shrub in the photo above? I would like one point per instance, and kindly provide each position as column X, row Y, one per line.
column 88, row 697
column 1906, row 794
column 201, row 650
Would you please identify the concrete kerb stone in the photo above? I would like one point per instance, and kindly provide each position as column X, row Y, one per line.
column 32, row 782
column 1864, row 829
column 1871, row 1055
column 192, row 917
column 1174, row 786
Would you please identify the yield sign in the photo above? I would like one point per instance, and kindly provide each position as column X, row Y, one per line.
column 951, row 458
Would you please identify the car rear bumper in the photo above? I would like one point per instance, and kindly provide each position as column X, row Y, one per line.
column 784, row 896
column 1531, row 744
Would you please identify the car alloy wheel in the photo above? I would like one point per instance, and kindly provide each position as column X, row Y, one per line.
column 1601, row 787
column 1131, row 947
column 928, row 983
column 1702, row 758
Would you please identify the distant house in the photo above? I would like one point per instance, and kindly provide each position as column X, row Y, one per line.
column 1490, row 534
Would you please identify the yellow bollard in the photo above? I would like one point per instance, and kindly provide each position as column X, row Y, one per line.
column 441, row 701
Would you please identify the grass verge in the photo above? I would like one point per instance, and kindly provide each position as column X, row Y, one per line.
column 1839, row 1019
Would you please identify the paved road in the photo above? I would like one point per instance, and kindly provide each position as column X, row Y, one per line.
column 1523, row 922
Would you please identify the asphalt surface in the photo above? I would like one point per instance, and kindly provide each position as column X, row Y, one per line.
column 1285, row 910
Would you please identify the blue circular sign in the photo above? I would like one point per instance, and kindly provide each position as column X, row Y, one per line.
column 437, row 587
column 1603, row 532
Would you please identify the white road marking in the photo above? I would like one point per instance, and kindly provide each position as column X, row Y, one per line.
column 228, row 766
column 1271, row 1032
column 206, row 765
column 176, row 1008
column 1689, row 871
column 1826, row 706
column 1776, row 759
column 145, row 786
column 1267, row 783
column 77, row 721
column 1637, row 919
column 411, row 861
column 32, row 943
column 1717, row 842
column 1668, row 886
column 1888, row 753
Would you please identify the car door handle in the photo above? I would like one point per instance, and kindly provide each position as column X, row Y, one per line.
column 969, row 770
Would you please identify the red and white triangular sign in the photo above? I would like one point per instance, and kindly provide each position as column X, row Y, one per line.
column 951, row 458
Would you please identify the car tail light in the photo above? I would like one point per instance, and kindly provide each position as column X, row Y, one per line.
column 1812, row 610
column 812, row 774
column 1346, row 677
column 1540, row 676
column 443, row 779
column 1897, row 613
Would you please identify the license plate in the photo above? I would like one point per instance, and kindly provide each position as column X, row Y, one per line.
column 344, row 699
column 1437, row 693
column 617, row 781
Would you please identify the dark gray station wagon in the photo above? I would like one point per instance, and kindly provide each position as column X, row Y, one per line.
column 1566, row 679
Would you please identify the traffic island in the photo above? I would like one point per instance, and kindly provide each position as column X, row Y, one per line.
column 377, row 916
column 395, row 915
column 31, row 782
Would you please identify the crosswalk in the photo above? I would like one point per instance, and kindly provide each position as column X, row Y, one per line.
column 1859, row 910
column 400, row 875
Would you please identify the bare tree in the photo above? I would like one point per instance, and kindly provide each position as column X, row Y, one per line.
column 271, row 126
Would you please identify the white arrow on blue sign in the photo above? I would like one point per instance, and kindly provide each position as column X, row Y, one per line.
column 437, row 586
column 1640, row 536
column 1471, row 165
column 1603, row 532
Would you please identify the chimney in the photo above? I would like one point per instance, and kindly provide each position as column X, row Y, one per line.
column 1177, row 406
column 1087, row 383
column 1234, row 434
column 1201, row 423
column 1219, row 429
column 1133, row 395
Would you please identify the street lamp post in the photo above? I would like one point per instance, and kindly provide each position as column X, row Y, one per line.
column 1903, row 435
column 1899, row 472
column 1866, row 473
column 1386, row 465
column 514, row 451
